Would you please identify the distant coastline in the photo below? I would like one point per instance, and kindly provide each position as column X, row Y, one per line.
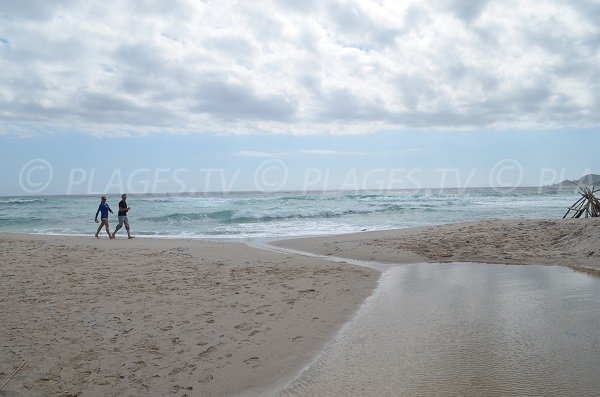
column 587, row 180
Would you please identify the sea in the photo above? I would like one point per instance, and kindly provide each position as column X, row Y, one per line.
column 248, row 215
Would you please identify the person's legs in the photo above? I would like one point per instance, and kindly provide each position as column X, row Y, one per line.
column 99, row 228
column 105, row 221
column 126, row 221
column 120, row 225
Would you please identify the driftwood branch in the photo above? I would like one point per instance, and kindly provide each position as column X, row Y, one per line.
column 587, row 204
column 13, row 374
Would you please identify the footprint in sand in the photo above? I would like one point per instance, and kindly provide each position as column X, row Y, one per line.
column 253, row 362
column 189, row 368
column 175, row 389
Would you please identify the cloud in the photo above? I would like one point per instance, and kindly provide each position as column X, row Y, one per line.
column 466, row 10
column 18, row 10
column 237, row 101
column 287, row 67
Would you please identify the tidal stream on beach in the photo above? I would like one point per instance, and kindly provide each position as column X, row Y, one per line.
column 466, row 330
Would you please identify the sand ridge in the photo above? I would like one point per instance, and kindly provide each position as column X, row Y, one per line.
column 571, row 242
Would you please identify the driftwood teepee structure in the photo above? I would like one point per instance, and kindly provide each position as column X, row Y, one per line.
column 588, row 204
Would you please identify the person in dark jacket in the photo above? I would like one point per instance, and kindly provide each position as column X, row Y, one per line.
column 123, row 210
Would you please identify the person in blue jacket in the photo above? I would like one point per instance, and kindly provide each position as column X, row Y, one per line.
column 103, row 210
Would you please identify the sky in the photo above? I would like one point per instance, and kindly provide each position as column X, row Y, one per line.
column 141, row 96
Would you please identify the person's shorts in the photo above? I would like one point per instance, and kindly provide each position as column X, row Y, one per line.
column 123, row 221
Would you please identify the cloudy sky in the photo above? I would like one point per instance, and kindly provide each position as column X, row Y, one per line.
column 364, row 84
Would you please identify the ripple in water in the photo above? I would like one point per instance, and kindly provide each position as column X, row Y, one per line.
column 466, row 330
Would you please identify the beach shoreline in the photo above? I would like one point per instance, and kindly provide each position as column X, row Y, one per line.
column 572, row 243
column 188, row 317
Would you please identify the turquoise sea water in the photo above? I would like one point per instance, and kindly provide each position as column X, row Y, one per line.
column 282, row 214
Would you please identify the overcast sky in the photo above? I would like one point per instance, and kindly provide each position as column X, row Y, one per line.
column 115, row 68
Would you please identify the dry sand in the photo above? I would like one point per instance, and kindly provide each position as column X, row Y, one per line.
column 199, row 318
column 573, row 242
column 149, row 317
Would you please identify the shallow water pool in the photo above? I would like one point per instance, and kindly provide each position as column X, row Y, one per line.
column 466, row 330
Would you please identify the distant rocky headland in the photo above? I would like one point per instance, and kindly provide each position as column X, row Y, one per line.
column 586, row 180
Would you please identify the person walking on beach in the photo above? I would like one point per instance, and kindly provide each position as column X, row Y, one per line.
column 103, row 210
column 123, row 210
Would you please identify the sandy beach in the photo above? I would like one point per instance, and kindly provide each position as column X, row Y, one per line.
column 149, row 317
column 571, row 242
